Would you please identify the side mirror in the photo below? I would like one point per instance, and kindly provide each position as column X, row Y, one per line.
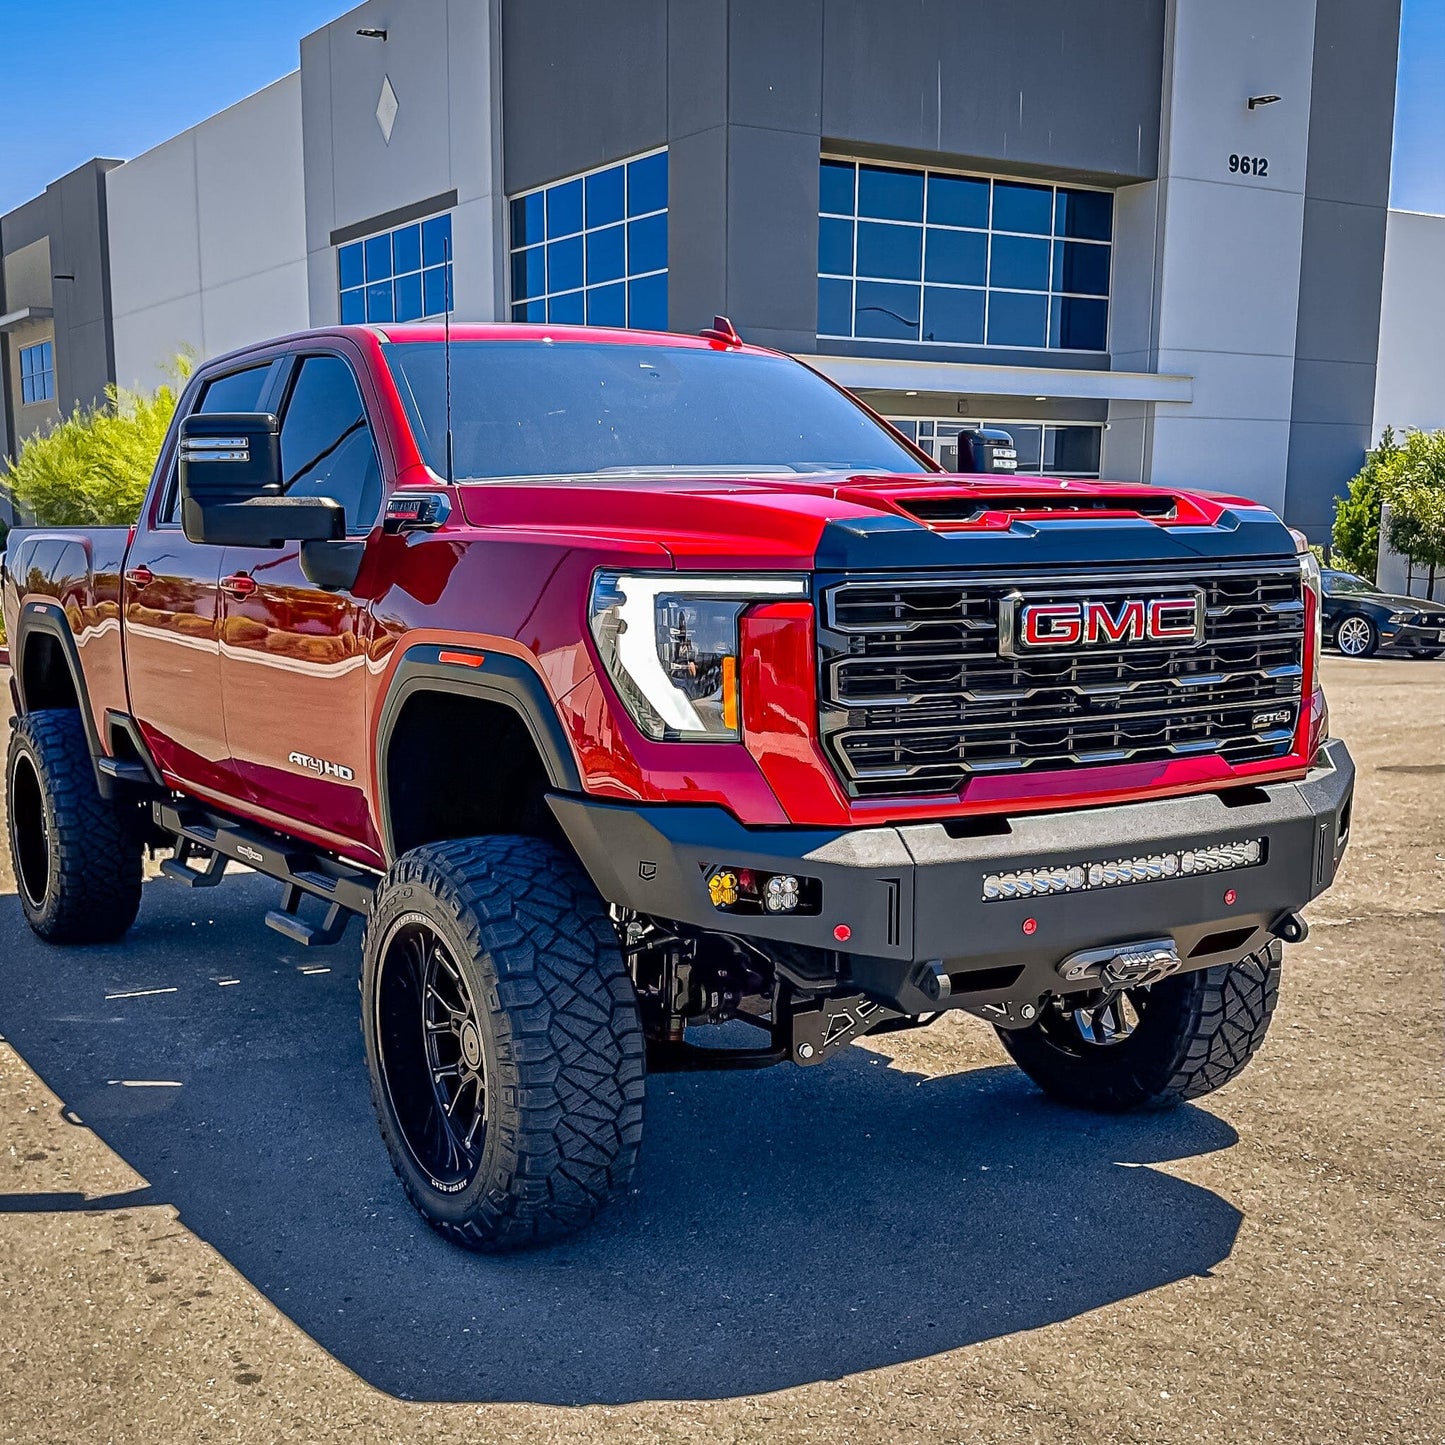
column 230, row 480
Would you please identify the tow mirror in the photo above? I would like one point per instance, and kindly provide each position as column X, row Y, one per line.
column 231, row 486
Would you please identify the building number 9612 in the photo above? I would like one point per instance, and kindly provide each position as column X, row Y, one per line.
column 1249, row 165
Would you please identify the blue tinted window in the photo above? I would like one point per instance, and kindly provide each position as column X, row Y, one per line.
column 647, row 245
column 528, row 223
column 564, row 264
column 435, row 290
column 835, row 307
column 607, row 254
column 436, row 235
column 1019, row 262
column 1082, row 268
column 957, row 256
column 951, row 314
column 1018, row 207
column 890, row 194
column 970, row 241
column 607, row 305
column 37, row 372
column 564, row 209
column 606, row 231
column 835, row 247
column 647, row 303
column 895, row 252
column 381, row 278
column 568, row 310
column 379, row 302
column 606, row 197
column 1015, row 319
column 378, row 258
column 835, row 187
column 406, row 249
column 1084, row 215
column 349, row 269
column 884, row 310
column 529, row 273
column 647, row 185
column 957, row 201
column 408, row 297
column 1079, row 324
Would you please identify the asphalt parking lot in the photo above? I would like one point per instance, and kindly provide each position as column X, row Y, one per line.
column 201, row 1239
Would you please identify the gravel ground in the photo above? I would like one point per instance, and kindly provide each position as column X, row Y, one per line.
column 200, row 1236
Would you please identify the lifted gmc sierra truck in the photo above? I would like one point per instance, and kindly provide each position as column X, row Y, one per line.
column 628, row 683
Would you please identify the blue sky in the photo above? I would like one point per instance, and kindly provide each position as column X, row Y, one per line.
column 108, row 79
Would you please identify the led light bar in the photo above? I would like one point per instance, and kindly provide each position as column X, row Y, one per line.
column 1148, row 868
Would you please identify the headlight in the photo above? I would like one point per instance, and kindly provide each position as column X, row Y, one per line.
column 1401, row 616
column 670, row 645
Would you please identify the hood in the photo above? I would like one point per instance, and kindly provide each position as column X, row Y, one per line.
column 785, row 520
column 1395, row 602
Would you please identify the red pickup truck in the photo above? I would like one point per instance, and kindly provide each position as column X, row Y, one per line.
column 626, row 684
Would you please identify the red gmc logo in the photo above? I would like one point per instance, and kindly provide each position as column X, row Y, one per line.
column 1033, row 626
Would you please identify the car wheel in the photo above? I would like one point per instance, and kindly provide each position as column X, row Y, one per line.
column 77, row 855
column 1356, row 636
column 503, row 1038
column 1152, row 1047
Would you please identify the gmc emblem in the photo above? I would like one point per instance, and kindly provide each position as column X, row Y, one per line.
column 1024, row 627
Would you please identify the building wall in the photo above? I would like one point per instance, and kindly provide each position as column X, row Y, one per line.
column 61, row 233
column 1410, row 380
column 438, row 57
column 208, row 240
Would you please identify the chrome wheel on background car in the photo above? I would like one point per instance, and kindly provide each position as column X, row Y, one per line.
column 1356, row 636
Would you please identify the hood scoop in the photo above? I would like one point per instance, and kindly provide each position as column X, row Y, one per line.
column 961, row 511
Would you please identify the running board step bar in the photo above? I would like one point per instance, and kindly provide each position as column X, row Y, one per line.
column 344, row 887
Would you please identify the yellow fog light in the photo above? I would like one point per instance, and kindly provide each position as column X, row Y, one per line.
column 723, row 889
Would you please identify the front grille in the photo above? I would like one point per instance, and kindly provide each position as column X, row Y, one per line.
column 915, row 697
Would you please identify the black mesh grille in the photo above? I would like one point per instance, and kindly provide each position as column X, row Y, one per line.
column 915, row 697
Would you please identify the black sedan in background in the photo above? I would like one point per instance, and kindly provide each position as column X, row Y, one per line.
column 1360, row 619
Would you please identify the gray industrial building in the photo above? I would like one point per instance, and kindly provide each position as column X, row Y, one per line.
column 1148, row 237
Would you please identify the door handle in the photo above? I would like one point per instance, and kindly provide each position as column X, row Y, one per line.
column 140, row 577
column 238, row 585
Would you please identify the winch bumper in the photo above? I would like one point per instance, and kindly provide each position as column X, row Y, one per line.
column 999, row 903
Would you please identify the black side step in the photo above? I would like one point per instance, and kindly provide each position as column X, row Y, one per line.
column 345, row 887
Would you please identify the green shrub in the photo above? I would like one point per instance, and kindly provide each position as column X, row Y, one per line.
column 94, row 468
column 1356, row 535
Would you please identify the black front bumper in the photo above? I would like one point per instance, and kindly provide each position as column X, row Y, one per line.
column 912, row 896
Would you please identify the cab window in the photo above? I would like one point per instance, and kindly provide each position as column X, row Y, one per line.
column 236, row 391
column 327, row 448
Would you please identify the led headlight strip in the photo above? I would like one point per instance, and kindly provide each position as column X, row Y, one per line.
column 1148, row 868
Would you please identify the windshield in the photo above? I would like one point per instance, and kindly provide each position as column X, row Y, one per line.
column 570, row 408
column 1345, row 584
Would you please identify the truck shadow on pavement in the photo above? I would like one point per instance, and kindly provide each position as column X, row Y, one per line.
column 787, row 1227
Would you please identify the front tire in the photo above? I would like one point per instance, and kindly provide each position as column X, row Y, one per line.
column 1357, row 636
column 1155, row 1047
column 504, row 1041
column 77, row 855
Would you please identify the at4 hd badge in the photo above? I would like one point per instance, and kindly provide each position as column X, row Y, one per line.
column 322, row 767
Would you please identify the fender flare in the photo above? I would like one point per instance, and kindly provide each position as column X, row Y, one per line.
column 498, row 677
column 49, row 619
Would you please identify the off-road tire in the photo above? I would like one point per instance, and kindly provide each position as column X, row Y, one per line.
column 561, row 1037
column 1196, row 1032
column 77, row 855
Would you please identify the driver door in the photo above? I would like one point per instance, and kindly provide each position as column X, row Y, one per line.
column 293, row 655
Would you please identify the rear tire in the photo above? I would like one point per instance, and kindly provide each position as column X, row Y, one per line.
column 504, row 1041
column 1191, row 1034
column 77, row 855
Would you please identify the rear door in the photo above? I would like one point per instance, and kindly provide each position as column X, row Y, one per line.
column 172, row 615
column 293, row 655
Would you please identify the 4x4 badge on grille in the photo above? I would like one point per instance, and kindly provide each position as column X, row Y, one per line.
column 1064, row 623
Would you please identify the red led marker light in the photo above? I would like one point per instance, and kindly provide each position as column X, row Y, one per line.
column 1230, row 898
column 842, row 933
column 1031, row 925
column 462, row 659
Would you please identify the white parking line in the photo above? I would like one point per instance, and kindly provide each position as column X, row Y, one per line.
column 141, row 993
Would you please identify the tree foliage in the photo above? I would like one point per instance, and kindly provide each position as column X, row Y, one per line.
column 1356, row 535
column 94, row 468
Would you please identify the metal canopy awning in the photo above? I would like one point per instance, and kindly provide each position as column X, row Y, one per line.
column 883, row 373
column 13, row 319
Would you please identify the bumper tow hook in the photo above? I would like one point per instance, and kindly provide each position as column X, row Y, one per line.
column 1122, row 965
